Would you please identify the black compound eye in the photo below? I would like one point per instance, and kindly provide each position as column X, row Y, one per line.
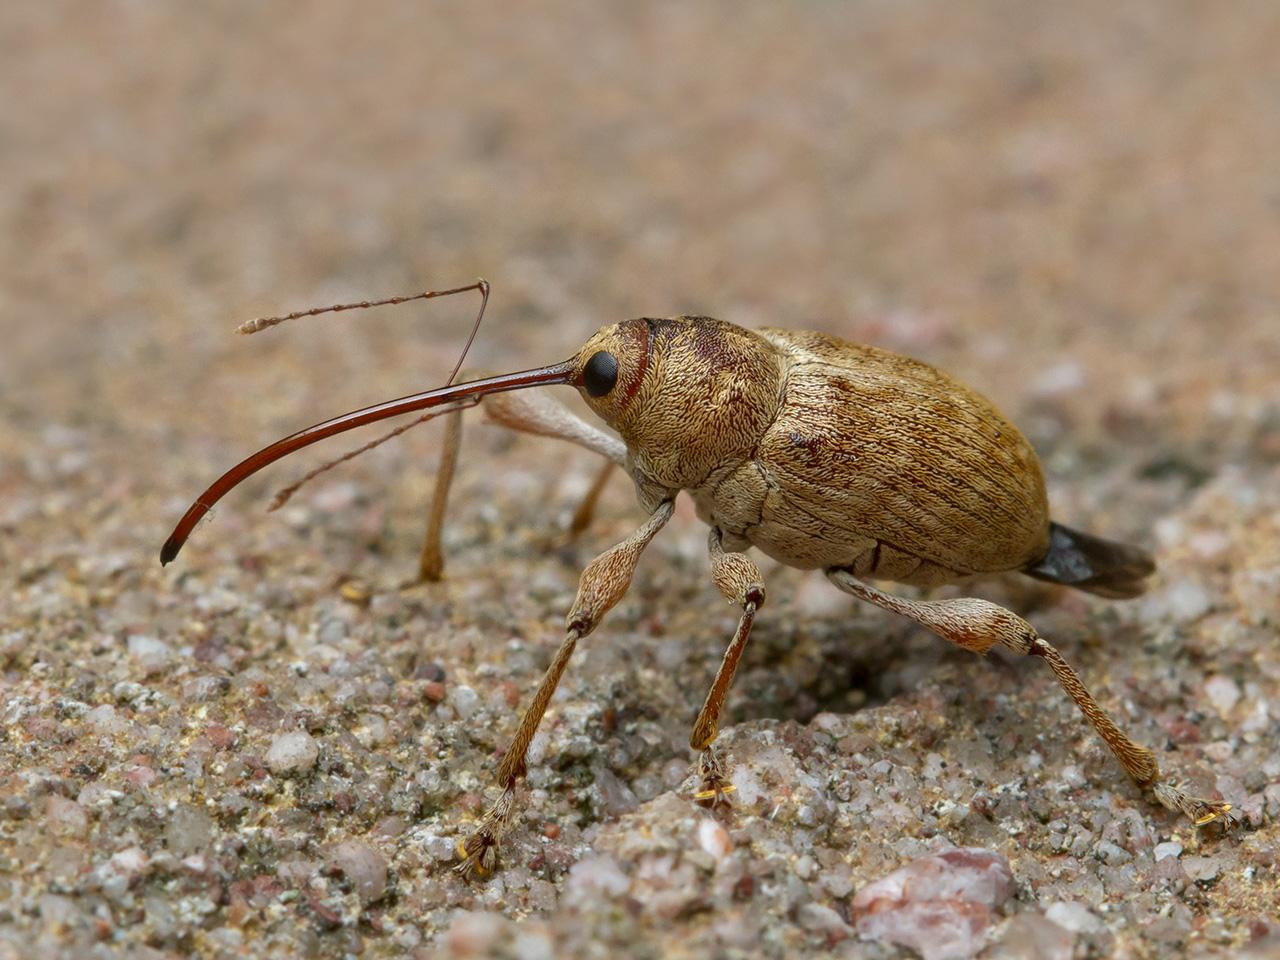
column 600, row 373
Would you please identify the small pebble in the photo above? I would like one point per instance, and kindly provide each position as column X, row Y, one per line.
column 1201, row 869
column 1167, row 849
column 939, row 905
column 822, row 919
column 1111, row 853
column 533, row 945
column 66, row 816
column 105, row 720
column 1076, row 917
column 363, row 866
column 597, row 875
column 471, row 933
column 292, row 752
column 1223, row 693
column 1032, row 936
column 714, row 839
column 1184, row 601
column 151, row 654
column 189, row 830
column 464, row 700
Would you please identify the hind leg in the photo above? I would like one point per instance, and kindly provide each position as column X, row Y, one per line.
column 530, row 411
column 978, row 625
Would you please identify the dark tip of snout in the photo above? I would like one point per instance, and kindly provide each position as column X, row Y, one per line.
column 169, row 551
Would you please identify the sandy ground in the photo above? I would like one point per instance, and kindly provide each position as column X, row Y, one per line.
column 272, row 746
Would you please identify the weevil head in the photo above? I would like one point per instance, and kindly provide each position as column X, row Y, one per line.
column 687, row 394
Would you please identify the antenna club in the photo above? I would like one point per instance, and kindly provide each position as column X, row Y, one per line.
column 261, row 323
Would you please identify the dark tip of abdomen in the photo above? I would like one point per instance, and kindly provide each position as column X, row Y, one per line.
column 1086, row 562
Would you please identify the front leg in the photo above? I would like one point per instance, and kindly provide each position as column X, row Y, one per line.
column 533, row 412
column 603, row 584
column 738, row 580
column 431, row 560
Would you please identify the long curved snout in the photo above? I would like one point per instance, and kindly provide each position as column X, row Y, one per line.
column 462, row 394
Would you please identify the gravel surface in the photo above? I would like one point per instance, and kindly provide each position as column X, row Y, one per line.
column 272, row 747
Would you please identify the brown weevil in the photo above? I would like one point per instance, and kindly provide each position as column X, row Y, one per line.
column 822, row 454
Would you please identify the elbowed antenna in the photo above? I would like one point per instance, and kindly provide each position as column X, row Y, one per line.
column 540, row 376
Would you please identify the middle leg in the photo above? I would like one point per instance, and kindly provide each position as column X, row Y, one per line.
column 738, row 580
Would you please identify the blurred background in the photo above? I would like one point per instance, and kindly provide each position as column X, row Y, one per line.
column 1077, row 209
column 1073, row 207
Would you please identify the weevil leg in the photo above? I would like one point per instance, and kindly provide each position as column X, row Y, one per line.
column 586, row 510
column 537, row 412
column 738, row 579
column 530, row 411
column 431, row 561
column 603, row 583
column 979, row 625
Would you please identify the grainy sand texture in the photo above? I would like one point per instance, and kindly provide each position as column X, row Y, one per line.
column 271, row 747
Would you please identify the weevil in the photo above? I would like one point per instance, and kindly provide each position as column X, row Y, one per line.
column 820, row 453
